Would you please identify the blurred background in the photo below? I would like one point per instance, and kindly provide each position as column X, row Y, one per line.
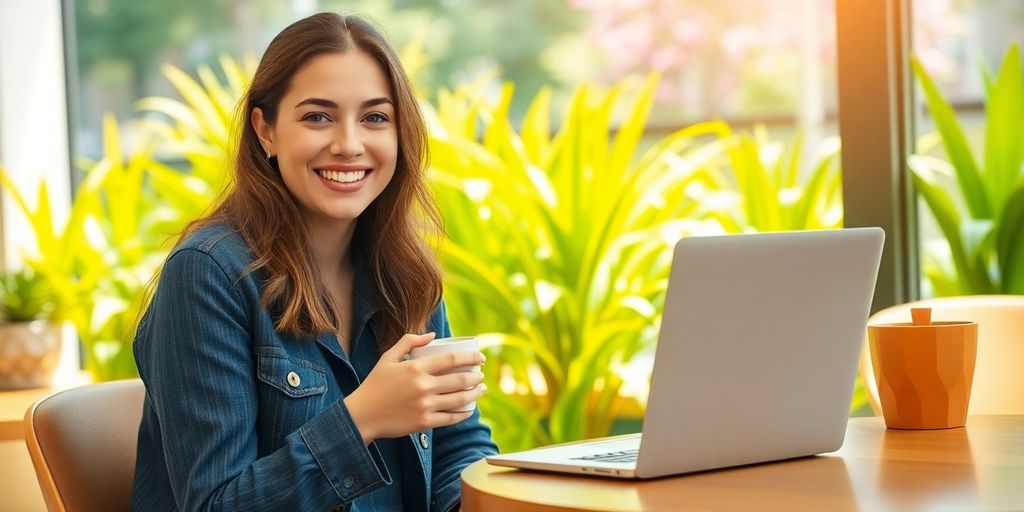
column 771, row 62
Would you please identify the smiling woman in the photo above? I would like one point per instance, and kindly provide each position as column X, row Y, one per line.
column 273, row 349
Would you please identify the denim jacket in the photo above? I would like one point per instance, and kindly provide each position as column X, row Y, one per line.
column 239, row 416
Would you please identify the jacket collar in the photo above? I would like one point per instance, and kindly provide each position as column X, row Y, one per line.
column 366, row 302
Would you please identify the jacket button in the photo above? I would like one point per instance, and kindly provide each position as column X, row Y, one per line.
column 424, row 441
column 294, row 380
column 348, row 482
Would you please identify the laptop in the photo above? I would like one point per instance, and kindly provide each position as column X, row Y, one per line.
column 756, row 357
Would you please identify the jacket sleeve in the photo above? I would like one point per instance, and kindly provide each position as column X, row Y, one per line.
column 194, row 352
column 455, row 446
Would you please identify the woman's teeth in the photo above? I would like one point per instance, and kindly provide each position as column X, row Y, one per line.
column 342, row 177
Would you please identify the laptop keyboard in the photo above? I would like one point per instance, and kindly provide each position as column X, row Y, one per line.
column 622, row 456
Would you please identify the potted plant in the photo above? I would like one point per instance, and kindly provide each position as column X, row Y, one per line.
column 29, row 341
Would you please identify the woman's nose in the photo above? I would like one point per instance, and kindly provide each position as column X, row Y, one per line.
column 347, row 142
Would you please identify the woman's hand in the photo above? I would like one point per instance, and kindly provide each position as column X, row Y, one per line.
column 401, row 396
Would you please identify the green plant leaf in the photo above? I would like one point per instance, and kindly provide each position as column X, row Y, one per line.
column 12, row 189
column 536, row 127
column 198, row 99
column 944, row 211
column 1010, row 244
column 174, row 109
column 987, row 79
column 971, row 186
column 628, row 135
column 943, row 284
column 1004, row 124
column 26, row 296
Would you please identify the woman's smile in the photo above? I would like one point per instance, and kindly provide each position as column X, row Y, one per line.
column 345, row 178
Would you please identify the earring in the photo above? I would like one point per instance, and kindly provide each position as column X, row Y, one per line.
column 270, row 155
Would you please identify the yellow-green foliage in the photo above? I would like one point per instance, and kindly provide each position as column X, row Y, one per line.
column 986, row 241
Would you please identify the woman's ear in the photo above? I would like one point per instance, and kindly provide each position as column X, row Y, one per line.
column 263, row 130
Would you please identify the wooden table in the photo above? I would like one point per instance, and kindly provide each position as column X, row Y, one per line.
column 978, row 467
column 14, row 404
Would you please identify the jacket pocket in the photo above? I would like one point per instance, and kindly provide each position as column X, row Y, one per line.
column 293, row 377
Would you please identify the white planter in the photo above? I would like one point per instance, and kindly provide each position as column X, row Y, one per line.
column 29, row 352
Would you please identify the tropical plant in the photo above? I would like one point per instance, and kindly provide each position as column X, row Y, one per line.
column 132, row 231
column 59, row 252
column 105, row 251
column 198, row 130
column 29, row 340
column 129, row 207
column 762, row 185
column 25, row 296
column 155, row 200
column 986, row 234
column 559, row 247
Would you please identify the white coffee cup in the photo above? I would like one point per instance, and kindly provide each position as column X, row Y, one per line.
column 456, row 344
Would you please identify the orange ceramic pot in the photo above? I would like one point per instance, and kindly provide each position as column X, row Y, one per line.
column 924, row 371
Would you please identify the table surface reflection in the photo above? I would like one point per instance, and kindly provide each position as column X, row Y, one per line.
column 978, row 467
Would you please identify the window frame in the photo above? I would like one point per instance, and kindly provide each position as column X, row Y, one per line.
column 876, row 126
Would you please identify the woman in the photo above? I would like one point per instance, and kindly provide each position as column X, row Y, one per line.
column 273, row 348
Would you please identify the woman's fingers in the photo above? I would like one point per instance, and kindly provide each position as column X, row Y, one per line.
column 443, row 419
column 456, row 381
column 439, row 364
column 405, row 344
column 451, row 401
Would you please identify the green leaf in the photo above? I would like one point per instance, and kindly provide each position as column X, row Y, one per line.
column 12, row 189
column 174, row 109
column 816, row 195
column 628, row 135
column 943, row 285
column 942, row 207
column 971, row 186
column 987, row 79
column 1010, row 244
column 222, row 100
column 536, row 127
column 1004, row 126
column 238, row 75
column 26, row 296
column 196, row 97
column 42, row 223
column 760, row 193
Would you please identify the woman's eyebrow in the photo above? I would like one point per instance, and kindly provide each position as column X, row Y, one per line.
column 321, row 102
column 377, row 101
column 317, row 101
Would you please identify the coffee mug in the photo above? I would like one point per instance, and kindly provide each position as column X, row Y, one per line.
column 456, row 344
column 924, row 370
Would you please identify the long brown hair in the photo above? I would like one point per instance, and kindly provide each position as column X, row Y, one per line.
column 389, row 234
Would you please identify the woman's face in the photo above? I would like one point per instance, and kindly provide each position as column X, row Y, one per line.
column 336, row 135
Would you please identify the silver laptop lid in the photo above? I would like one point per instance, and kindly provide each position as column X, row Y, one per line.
column 758, row 349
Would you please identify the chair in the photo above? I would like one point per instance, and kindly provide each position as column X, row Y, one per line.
column 82, row 442
column 998, row 386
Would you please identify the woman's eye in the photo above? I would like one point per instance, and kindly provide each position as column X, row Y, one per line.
column 377, row 117
column 316, row 117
